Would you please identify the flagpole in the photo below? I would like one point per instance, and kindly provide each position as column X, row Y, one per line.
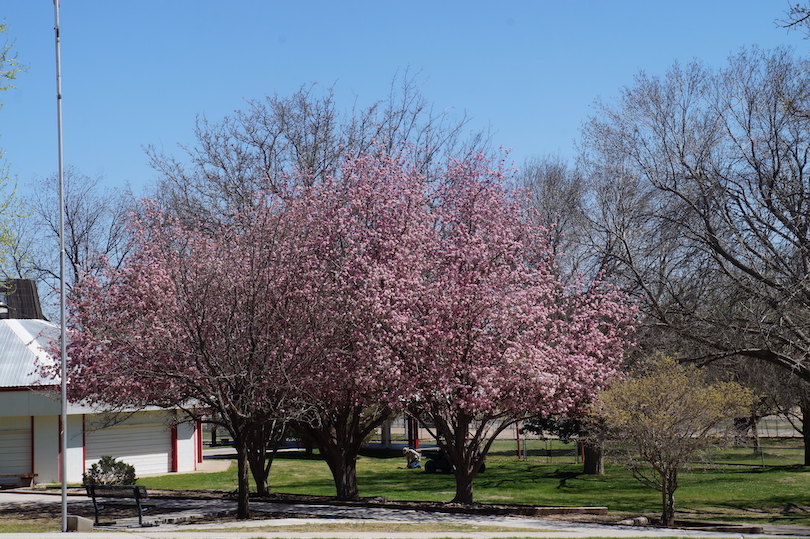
column 63, row 333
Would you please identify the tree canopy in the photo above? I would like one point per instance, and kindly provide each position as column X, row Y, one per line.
column 373, row 289
column 702, row 205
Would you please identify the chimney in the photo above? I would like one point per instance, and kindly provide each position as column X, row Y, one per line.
column 21, row 299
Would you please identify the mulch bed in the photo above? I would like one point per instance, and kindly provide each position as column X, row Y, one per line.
column 442, row 507
column 52, row 512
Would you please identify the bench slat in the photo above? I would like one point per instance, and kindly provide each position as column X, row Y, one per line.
column 117, row 491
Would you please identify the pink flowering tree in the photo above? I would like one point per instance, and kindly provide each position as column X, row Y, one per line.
column 497, row 336
column 206, row 321
column 363, row 232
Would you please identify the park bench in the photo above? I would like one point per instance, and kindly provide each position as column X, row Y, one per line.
column 23, row 479
column 136, row 492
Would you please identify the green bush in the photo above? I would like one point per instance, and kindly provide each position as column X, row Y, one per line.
column 109, row 471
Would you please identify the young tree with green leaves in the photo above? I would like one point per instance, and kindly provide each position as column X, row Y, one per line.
column 666, row 416
column 9, row 66
column 10, row 207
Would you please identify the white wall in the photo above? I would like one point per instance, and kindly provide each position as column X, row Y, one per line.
column 186, row 447
column 142, row 439
column 46, row 449
column 15, row 447
column 75, row 449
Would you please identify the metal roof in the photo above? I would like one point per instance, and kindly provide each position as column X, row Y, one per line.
column 24, row 344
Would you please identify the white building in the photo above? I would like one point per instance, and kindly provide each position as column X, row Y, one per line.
column 152, row 441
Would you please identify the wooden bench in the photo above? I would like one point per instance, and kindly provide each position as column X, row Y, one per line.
column 136, row 492
column 23, row 479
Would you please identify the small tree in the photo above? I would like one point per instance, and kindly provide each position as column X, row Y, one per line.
column 587, row 430
column 109, row 471
column 667, row 415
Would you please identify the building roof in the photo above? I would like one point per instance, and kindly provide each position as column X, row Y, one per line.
column 25, row 344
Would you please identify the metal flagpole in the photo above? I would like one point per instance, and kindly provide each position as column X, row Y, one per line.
column 63, row 332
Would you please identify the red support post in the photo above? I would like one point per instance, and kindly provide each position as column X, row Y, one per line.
column 32, row 447
column 175, row 455
column 84, row 443
column 199, row 442
column 415, row 431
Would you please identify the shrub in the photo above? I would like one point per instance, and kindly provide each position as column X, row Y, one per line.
column 109, row 471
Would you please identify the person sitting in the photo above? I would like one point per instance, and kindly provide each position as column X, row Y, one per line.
column 412, row 457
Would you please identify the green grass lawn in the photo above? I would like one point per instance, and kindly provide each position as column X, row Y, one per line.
column 749, row 493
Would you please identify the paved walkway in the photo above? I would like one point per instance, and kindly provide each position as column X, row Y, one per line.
column 174, row 510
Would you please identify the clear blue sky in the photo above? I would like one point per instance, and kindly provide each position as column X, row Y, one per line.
column 138, row 73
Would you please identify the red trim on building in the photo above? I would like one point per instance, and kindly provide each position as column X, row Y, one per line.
column 199, row 443
column 28, row 388
column 174, row 467
column 32, row 445
column 84, row 444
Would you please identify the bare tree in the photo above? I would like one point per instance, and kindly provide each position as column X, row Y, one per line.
column 558, row 194
column 95, row 227
column 788, row 397
column 715, row 240
column 797, row 17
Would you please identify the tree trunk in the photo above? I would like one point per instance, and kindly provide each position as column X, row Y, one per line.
column 343, row 466
column 741, row 427
column 462, row 453
column 256, row 456
column 339, row 437
column 308, row 447
column 593, row 459
column 338, row 447
column 669, row 483
column 243, row 479
column 755, row 435
column 464, row 486
column 804, row 405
